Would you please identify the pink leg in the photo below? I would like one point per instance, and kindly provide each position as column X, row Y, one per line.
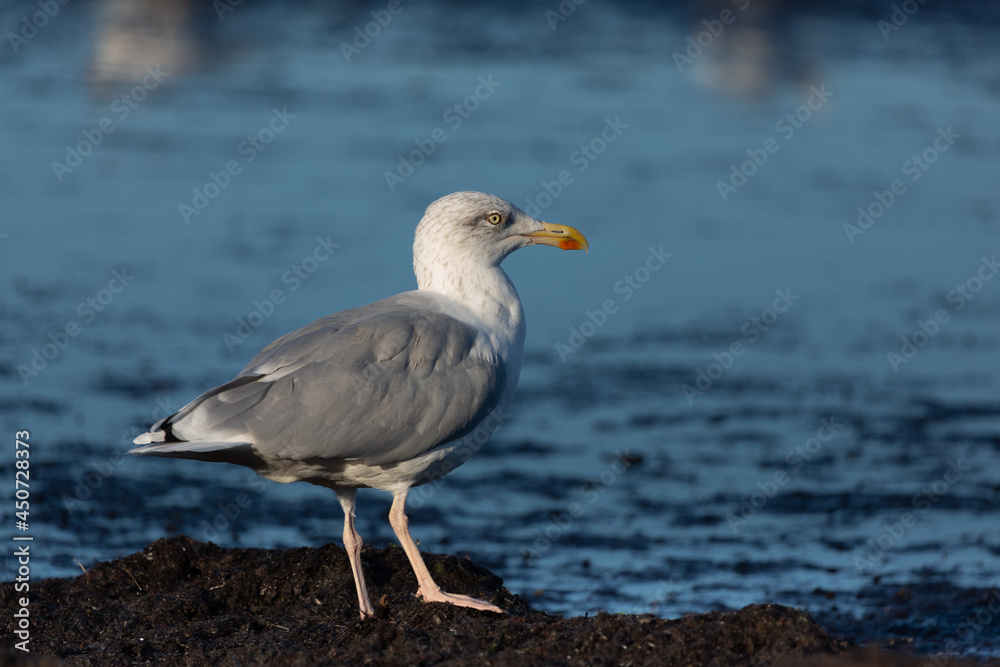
column 427, row 589
column 353, row 543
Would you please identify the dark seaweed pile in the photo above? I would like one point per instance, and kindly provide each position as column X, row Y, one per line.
column 180, row 601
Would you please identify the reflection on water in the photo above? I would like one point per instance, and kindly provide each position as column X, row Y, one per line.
column 132, row 36
column 737, row 48
column 654, row 534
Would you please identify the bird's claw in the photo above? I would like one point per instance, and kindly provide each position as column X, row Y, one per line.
column 457, row 600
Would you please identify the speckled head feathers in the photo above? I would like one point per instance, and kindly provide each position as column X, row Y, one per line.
column 465, row 231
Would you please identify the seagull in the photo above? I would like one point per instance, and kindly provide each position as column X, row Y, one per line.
column 390, row 395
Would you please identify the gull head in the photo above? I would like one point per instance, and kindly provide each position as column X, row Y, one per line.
column 473, row 229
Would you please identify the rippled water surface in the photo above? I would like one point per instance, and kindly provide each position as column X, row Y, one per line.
column 718, row 406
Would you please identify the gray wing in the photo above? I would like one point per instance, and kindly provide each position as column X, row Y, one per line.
column 382, row 384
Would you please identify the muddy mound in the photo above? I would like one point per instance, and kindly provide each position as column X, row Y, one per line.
column 180, row 601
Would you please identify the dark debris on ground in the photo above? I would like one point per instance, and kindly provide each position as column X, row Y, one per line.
column 184, row 602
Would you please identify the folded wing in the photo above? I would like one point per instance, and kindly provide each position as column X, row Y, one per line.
column 380, row 384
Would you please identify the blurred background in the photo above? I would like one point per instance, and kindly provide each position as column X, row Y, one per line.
column 774, row 378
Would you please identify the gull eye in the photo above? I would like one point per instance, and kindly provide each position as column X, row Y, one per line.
column 494, row 218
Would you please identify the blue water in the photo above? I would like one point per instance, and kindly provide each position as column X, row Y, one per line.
column 596, row 126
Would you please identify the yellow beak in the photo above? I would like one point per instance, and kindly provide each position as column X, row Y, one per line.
column 559, row 236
